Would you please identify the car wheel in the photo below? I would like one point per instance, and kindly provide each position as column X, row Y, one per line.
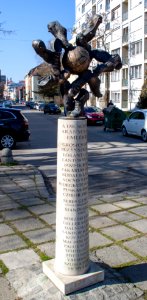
column 124, row 131
column 144, row 135
column 7, row 141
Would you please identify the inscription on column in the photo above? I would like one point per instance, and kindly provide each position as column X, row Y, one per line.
column 72, row 198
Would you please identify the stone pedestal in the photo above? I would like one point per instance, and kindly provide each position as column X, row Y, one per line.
column 71, row 269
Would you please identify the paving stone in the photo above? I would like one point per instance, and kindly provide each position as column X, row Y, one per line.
column 142, row 211
column 39, row 180
column 31, row 201
column 32, row 284
column 138, row 245
column 118, row 232
column 126, row 204
column 15, row 214
column 124, row 216
column 41, row 235
column 115, row 256
column 43, row 193
column 100, row 222
column 48, row 249
column 25, row 183
column 6, row 291
column 21, row 258
column 49, row 218
column 92, row 213
column 28, row 224
column 29, row 282
column 11, row 243
column 142, row 200
column 136, row 274
column 105, row 208
column 11, row 188
column 42, row 209
column 97, row 240
column 112, row 198
column 24, row 195
column 4, row 197
column 5, row 230
column 8, row 204
column 140, row 225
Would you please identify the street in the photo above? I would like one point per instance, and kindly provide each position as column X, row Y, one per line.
column 114, row 162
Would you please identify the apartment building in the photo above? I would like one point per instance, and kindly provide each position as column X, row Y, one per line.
column 124, row 31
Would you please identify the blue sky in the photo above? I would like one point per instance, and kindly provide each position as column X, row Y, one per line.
column 29, row 19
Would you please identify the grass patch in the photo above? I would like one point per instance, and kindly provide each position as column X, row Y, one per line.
column 14, row 163
column 3, row 267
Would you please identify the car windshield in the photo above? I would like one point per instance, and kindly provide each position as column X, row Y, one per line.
column 92, row 109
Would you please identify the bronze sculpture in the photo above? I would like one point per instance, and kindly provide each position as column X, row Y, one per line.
column 75, row 60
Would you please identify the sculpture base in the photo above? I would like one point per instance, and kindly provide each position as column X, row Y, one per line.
column 69, row 284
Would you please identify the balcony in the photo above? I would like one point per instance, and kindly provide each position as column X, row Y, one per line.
column 124, row 82
column 145, row 54
column 125, row 16
column 125, row 60
column 125, row 39
column 145, row 29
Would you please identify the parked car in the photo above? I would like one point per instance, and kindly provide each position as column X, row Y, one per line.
column 2, row 103
column 52, row 108
column 8, row 103
column 31, row 104
column 14, row 127
column 136, row 124
column 94, row 115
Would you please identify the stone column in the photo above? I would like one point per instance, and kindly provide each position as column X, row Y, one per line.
column 72, row 234
column 71, row 269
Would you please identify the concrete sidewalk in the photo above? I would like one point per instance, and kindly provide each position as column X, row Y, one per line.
column 118, row 240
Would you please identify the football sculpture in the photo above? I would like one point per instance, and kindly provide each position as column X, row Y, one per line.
column 76, row 60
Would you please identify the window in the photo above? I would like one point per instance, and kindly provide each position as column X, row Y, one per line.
column 6, row 115
column 116, row 51
column 83, row 8
column 125, row 35
column 125, row 73
column 99, row 6
column 107, row 4
column 136, row 72
column 107, row 26
column 115, row 76
column 115, row 13
column 137, row 116
column 99, row 43
column 93, row 9
column 136, row 48
column 115, row 96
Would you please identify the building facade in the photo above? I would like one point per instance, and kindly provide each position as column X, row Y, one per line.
column 123, row 31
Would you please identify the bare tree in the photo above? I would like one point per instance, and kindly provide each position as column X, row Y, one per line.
column 3, row 30
column 142, row 103
column 104, row 31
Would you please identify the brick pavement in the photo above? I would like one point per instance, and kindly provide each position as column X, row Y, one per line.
column 117, row 233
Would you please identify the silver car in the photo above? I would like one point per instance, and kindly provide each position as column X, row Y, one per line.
column 136, row 124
